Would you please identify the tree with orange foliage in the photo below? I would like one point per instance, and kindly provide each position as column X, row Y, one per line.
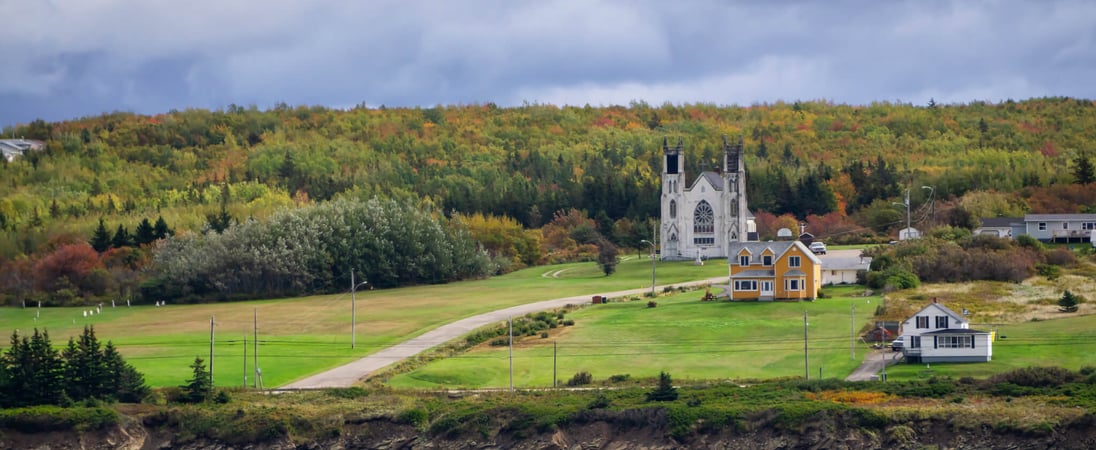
column 74, row 267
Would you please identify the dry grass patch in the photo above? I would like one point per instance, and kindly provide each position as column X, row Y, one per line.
column 996, row 302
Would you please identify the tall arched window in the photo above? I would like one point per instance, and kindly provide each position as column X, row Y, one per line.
column 703, row 218
column 673, row 209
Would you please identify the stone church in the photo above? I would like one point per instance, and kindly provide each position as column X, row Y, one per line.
column 703, row 220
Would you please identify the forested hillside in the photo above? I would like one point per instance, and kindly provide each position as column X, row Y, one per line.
column 106, row 180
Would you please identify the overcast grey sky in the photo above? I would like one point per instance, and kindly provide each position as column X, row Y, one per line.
column 62, row 59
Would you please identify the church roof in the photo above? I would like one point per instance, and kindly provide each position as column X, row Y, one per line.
column 713, row 178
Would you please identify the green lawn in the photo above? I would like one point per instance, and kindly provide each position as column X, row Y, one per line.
column 1069, row 343
column 682, row 335
column 303, row 336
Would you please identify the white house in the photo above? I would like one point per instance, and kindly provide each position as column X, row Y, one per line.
column 938, row 334
column 12, row 148
column 843, row 270
column 999, row 226
column 1057, row 227
column 703, row 219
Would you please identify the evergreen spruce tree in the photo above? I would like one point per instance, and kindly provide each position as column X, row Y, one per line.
column 144, row 234
column 161, row 230
column 85, row 371
column 5, row 383
column 123, row 382
column 1083, row 170
column 1068, row 302
column 199, row 388
column 221, row 221
column 100, row 240
column 34, row 371
column 121, row 238
column 665, row 392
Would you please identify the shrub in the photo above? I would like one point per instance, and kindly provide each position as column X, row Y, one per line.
column 1035, row 377
column 568, row 322
column 599, row 402
column 1061, row 257
column 1069, row 302
column 665, row 392
column 581, row 379
column 1050, row 271
column 1025, row 240
column 415, row 416
column 543, row 334
column 620, row 378
column 652, row 304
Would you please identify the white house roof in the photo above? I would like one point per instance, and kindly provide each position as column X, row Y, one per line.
column 954, row 331
column 944, row 309
column 848, row 263
column 1000, row 222
column 1059, row 217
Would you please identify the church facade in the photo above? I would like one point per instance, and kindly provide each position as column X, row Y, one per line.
column 705, row 219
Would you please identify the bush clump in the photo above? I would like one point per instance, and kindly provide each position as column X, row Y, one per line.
column 581, row 379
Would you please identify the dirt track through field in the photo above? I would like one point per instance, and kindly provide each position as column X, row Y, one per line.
column 349, row 374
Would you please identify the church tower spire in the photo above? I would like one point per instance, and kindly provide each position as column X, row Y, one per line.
column 673, row 198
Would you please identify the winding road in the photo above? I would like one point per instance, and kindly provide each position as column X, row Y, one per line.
column 349, row 374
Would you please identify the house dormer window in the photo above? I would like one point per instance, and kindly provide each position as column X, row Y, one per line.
column 744, row 260
column 941, row 321
column 793, row 261
column 767, row 260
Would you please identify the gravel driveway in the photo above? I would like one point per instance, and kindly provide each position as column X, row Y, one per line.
column 349, row 374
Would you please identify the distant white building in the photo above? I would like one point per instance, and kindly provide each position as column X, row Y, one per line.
column 908, row 233
column 12, row 148
column 704, row 219
column 843, row 270
column 1044, row 227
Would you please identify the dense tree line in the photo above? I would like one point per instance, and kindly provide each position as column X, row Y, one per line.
column 32, row 372
column 838, row 168
column 313, row 249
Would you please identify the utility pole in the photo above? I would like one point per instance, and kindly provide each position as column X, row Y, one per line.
column 511, row 321
column 255, row 349
column 554, row 364
column 245, row 361
column 652, row 244
column 211, row 350
column 806, row 364
column 852, row 331
column 354, row 308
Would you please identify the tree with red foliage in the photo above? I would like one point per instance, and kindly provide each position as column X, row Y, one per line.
column 72, row 266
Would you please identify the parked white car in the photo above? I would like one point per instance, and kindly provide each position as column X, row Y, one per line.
column 818, row 248
column 898, row 344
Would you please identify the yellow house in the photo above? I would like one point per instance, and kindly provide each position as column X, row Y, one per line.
column 774, row 270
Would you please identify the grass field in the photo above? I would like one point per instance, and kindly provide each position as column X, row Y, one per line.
column 682, row 335
column 1068, row 342
column 302, row 336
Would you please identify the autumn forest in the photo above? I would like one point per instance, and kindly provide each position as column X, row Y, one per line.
column 239, row 203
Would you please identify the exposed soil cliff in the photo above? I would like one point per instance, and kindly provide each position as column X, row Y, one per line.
column 608, row 430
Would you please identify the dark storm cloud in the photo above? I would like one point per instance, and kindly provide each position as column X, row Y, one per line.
column 70, row 58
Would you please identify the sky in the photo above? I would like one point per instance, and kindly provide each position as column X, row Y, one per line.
column 65, row 59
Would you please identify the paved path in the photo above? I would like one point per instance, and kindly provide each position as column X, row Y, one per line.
column 347, row 375
column 873, row 364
